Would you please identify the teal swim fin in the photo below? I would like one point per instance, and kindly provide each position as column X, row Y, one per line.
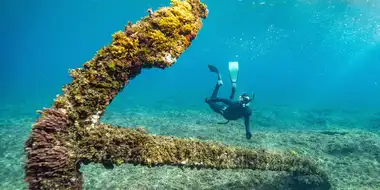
column 233, row 66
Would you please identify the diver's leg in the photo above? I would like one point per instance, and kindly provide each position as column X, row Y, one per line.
column 219, row 83
column 213, row 105
column 217, row 108
column 233, row 90
column 216, row 90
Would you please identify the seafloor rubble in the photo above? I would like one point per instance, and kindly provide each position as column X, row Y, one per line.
column 69, row 134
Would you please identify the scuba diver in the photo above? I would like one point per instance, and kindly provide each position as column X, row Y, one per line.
column 231, row 109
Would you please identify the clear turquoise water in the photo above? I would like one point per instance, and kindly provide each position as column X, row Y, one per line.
column 290, row 52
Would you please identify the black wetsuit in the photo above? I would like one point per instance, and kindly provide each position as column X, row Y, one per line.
column 231, row 109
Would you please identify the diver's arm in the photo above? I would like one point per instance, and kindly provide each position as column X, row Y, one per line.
column 223, row 100
column 247, row 126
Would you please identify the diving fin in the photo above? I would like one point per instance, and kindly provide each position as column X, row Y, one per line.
column 213, row 69
column 233, row 67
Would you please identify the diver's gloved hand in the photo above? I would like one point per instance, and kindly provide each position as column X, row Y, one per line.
column 207, row 100
column 248, row 135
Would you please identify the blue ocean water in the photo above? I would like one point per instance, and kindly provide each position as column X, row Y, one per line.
column 299, row 53
column 290, row 52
